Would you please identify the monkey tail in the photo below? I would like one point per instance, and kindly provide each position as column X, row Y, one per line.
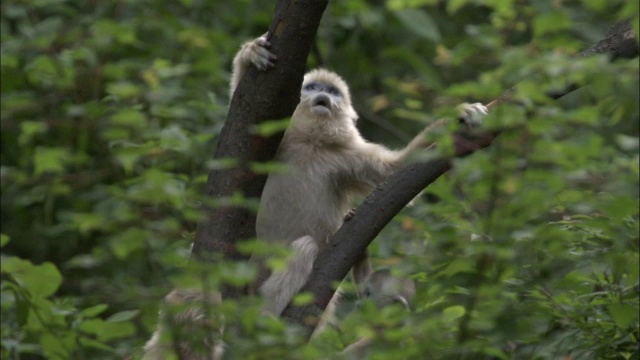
column 281, row 286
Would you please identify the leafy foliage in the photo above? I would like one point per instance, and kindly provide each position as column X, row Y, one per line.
column 110, row 111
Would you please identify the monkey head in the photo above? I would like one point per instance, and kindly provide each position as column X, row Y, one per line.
column 385, row 289
column 324, row 95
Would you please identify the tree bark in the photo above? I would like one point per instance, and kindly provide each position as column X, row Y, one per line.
column 259, row 97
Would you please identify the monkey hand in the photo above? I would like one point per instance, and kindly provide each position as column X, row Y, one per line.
column 257, row 53
column 350, row 214
column 472, row 114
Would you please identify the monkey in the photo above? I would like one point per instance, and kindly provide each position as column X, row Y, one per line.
column 186, row 328
column 328, row 163
column 383, row 289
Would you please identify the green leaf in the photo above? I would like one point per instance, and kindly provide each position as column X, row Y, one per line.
column 268, row 167
column 29, row 130
column 529, row 90
column 86, row 223
column 56, row 347
column 129, row 154
column 123, row 316
column 49, row 159
column 107, row 30
column 94, row 310
column 129, row 118
column 128, row 241
column 452, row 313
column 454, row 5
column 124, row 89
column 21, row 298
column 623, row 314
column 269, row 128
column 4, row 240
column 619, row 207
column 459, row 266
column 599, row 5
column 174, row 138
column 402, row 4
column 9, row 62
column 588, row 115
column 420, row 23
column 106, row 331
column 495, row 352
column 551, row 22
column 42, row 71
column 40, row 280
column 303, row 299
column 87, row 342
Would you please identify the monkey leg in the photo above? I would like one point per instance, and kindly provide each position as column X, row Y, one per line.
column 281, row 286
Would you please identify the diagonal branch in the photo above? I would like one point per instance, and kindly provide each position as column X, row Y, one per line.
column 334, row 263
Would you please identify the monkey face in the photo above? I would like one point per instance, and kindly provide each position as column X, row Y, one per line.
column 385, row 289
column 324, row 99
column 325, row 96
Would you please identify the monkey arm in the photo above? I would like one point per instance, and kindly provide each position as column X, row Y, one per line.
column 472, row 115
column 371, row 163
column 254, row 52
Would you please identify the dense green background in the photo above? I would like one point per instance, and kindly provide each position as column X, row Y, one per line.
column 111, row 111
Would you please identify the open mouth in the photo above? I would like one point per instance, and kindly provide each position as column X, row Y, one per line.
column 321, row 102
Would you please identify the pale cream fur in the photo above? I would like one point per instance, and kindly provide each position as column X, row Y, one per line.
column 189, row 327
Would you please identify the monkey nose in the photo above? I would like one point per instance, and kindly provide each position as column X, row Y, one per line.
column 321, row 100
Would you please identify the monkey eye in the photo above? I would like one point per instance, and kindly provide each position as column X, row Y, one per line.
column 311, row 86
column 333, row 90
